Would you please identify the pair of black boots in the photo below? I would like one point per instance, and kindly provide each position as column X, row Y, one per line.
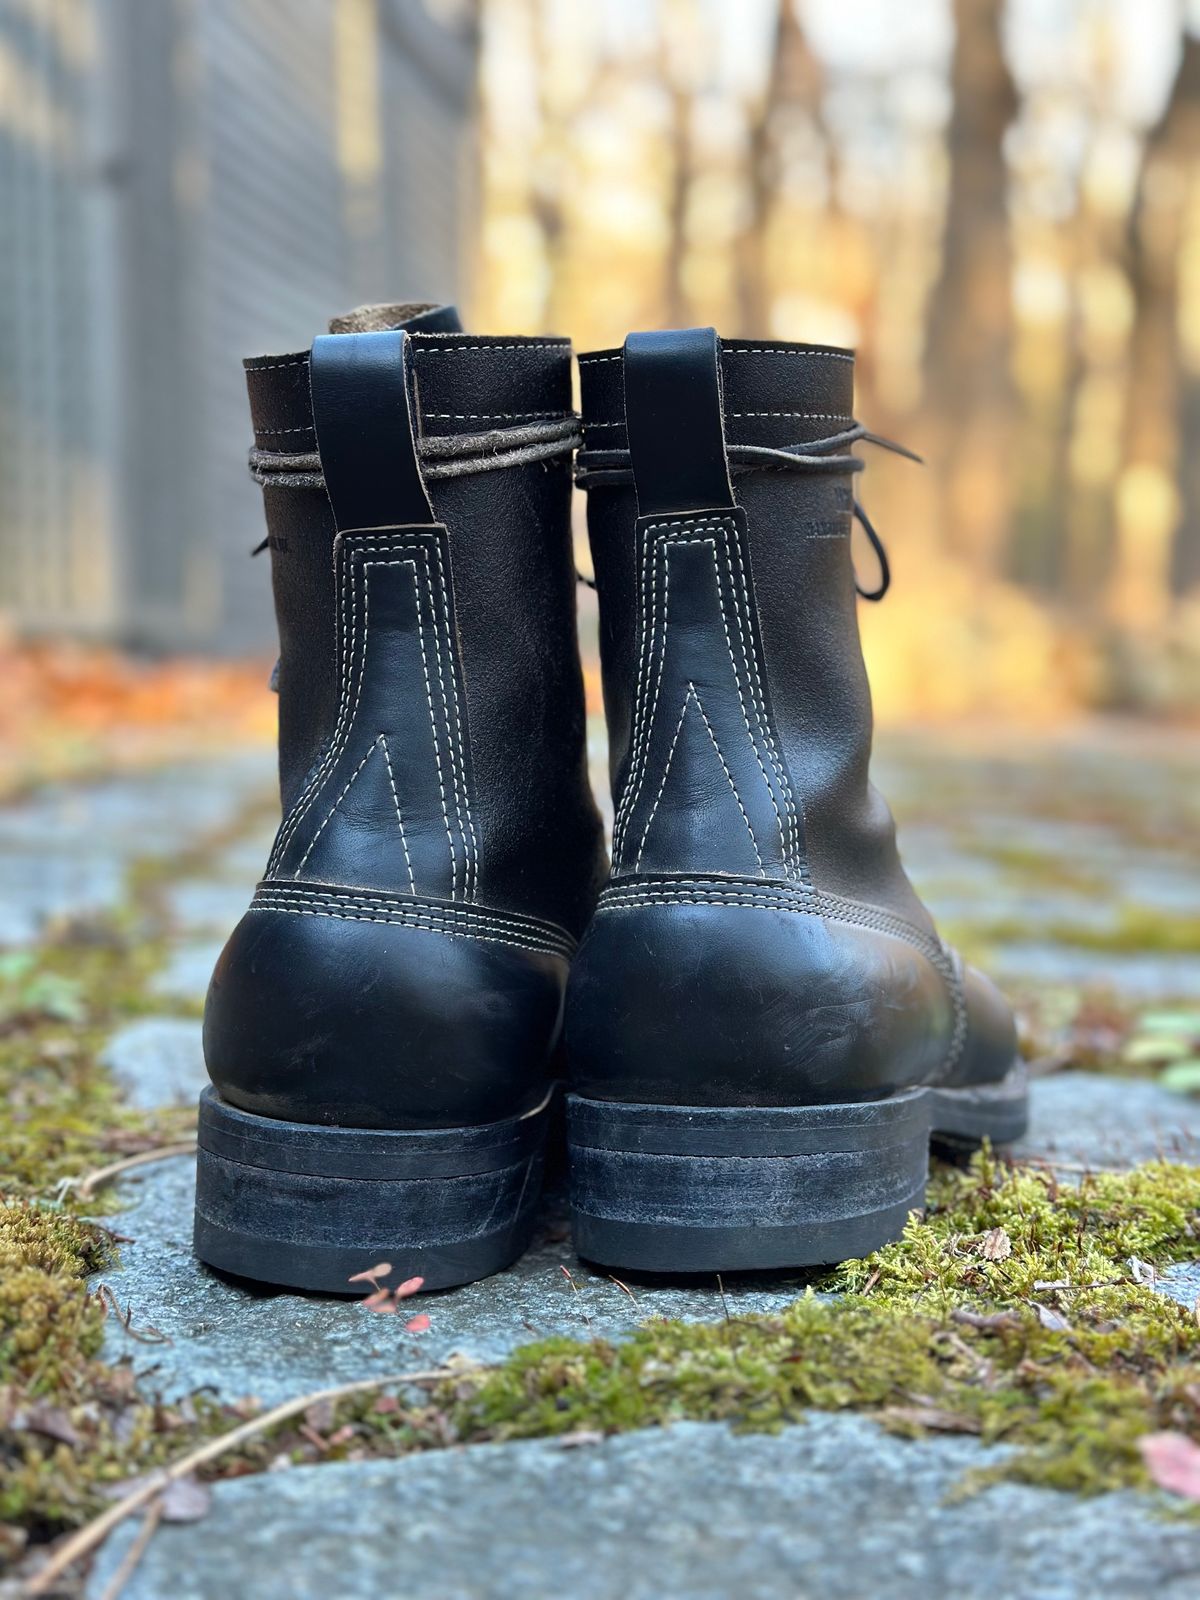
column 758, row 1026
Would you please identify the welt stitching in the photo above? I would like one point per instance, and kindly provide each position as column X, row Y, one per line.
column 450, row 933
column 384, row 900
column 412, row 882
column 312, row 842
column 276, row 432
column 666, row 770
column 728, row 774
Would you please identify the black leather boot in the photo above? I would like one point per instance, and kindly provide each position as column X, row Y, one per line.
column 763, row 1027
column 381, row 1028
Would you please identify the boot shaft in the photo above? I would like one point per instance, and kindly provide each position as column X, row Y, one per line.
column 738, row 706
column 432, row 735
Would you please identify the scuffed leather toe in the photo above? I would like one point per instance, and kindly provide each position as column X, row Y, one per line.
column 991, row 1045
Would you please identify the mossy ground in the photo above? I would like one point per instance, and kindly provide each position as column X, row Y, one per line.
column 1019, row 1309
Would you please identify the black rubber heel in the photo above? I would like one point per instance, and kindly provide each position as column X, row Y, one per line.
column 723, row 1189
column 309, row 1207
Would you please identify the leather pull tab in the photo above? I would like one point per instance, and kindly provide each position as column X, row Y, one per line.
column 363, row 415
column 674, row 421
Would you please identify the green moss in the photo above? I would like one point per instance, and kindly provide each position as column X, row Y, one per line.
column 1018, row 1310
column 1056, row 1348
column 58, row 1008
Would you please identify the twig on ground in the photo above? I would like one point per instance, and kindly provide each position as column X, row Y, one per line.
column 86, row 1186
column 82, row 1542
column 135, row 1552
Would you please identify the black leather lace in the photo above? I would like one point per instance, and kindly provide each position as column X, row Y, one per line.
column 596, row 467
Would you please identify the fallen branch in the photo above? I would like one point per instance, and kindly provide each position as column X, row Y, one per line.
column 95, row 1532
column 86, row 1186
column 135, row 1552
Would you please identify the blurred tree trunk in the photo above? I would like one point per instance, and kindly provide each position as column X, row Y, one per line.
column 1148, row 497
column 794, row 87
column 676, row 302
column 967, row 360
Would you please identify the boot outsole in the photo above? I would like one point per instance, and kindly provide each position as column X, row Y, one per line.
column 309, row 1207
column 687, row 1189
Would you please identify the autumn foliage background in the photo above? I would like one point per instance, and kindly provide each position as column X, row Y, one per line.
column 997, row 202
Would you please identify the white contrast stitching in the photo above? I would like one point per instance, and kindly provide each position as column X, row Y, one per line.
column 450, row 933
column 767, row 731
column 728, row 774
column 346, row 553
column 639, row 753
column 324, row 894
column 747, row 652
column 277, row 432
column 412, row 882
column 803, row 355
column 666, row 769
column 799, row 416
column 437, row 747
column 491, row 416
column 402, row 913
column 278, row 366
column 595, row 361
column 312, row 842
column 459, row 349
column 455, row 740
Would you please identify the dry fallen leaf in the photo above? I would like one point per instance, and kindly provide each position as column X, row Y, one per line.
column 1173, row 1462
column 996, row 1245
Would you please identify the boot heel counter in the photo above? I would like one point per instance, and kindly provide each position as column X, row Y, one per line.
column 366, row 1011
column 729, row 997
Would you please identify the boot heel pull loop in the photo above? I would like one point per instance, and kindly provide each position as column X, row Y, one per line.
column 674, row 421
column 363, row 413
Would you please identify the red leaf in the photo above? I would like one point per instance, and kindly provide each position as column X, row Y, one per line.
column 381, row 1300
column 410, row 1286
column 417, row 1324
column 1173, row 1462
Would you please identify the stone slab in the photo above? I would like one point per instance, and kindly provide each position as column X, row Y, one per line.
column 158, row 1061
column 243, row 1339
column 833, row 1508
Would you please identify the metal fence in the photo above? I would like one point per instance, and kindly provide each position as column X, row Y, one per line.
column 182, row 183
